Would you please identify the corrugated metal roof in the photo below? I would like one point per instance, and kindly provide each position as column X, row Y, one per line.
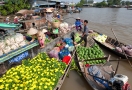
column 38, row 3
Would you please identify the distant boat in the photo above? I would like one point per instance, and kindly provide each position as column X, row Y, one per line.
column 115, row 6
column 129, row 7
column 10, row 26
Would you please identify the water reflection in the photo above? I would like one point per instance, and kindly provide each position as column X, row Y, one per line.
column 102, row 20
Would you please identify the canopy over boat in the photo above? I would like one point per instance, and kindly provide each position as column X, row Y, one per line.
column 24, row 11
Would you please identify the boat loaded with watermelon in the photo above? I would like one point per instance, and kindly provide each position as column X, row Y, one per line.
column 97, row 70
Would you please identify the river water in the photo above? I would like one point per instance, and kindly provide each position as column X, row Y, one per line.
column 103, row 20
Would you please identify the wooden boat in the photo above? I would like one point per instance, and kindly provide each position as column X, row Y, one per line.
column 111, row 45
column 33, row 49
column 106, row 70
column 26, row 24
column 10, row 26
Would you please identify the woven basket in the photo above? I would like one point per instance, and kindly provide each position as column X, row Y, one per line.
column 56, row 24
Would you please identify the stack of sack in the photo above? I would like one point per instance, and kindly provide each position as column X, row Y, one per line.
column 64, row 28
column 127, row 49
column 11, row 43
column 62, row 50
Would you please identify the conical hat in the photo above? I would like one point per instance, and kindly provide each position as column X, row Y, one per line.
column 32, row 31
column 77, row 18
column 44, row 31
column 48, row 10
column 15, row 17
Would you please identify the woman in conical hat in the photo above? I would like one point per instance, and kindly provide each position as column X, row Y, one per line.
column 33, row 33
column 78, row 24
column 49, row 16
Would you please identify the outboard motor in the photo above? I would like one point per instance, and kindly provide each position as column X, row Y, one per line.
column 119, row 82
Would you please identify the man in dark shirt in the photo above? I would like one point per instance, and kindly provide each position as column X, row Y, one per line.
column 84, row 33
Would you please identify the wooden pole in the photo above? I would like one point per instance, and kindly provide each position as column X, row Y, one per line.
column 122, row 50
column 117, row 67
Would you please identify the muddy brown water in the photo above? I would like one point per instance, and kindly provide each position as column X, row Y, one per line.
column 102, row 20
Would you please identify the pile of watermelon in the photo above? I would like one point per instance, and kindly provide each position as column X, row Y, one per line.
column 86, row 53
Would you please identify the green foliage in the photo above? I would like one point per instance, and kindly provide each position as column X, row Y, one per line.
column 80, row 4
column 12, row 6
column 4, row 12
column 101, row 4
column 113, row 2
column 127, row 3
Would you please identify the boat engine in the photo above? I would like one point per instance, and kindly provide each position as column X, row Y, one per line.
column 119, row 82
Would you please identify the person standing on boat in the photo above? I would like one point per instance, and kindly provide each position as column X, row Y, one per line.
column 7, row 19
column 78, row 24
column 49, row 16
column 15, row 19
column 84, row 34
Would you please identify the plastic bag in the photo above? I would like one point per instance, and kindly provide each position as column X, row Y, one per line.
column 129, row 52
column 129, row 46
column 68, row 41
column 12, row 40
column 53, row 53
column 18, row 38
column 124, row 48
column 1, row 52
column 2, row 44
column 63, row 52
column 7, row 49
column 118, row 49
column 23, row 43
column 71, row 48
column 14, row 46
column 7, row 41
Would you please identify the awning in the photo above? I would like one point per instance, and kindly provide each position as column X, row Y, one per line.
column 24, row 11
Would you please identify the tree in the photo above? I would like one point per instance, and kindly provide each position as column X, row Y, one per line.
column 123, row 3
column 116, row 2
column 13, row 6
column 127, row 3
column 110, row 2
column 101, row 4
column 90, row 1
column 113, row 2
column 80, row 4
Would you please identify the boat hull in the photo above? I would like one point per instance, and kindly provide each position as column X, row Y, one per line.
column 35, row 50
column 111, row 46
column 94, row 85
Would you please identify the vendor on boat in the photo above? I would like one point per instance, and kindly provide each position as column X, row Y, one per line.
column 31, row 35
column 78, row 24
column 49, row 16
column 34, row 34
column 58, row 16
column 15, row 19
column 41, row 38
column 7, row 20
column 84, row 34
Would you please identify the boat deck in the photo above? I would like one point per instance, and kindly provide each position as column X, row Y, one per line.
column 106, row 72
